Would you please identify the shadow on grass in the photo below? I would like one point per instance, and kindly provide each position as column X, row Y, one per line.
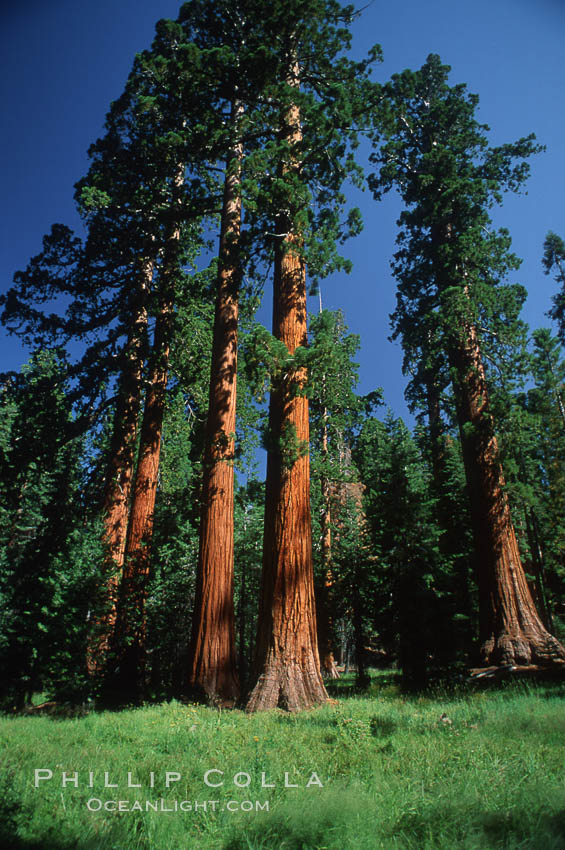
column 302, row 826
column 349, row 823
column 11, row 816
column 468, row 825
column 13, row 842
column 348, row 685
column 382, row 684
column 389, row 684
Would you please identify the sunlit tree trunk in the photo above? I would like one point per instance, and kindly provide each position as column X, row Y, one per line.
column 511, row 631
column 119, row 475
column 213, row 657
column 287, row 664
column 126, row 675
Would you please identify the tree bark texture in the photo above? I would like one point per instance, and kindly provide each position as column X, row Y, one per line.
column 287, row 665
column 127, row 675
column 119, row 475
column 511, row 631
column 213, row 670
column 287, row 662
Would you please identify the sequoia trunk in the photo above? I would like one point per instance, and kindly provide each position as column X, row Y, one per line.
column 511, row 630
column 127, row 672
column 287, row 663
column 213, row 659
column 120, row 473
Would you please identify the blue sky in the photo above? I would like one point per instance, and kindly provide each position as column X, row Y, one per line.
column 65, row 61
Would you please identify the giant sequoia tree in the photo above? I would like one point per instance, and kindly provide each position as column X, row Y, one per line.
column 226, row 33
column 318, row 102
column 157, row 133
column 450, row 269
column 213, row 649
column 143, row 201
column 105, row 281
column 287, row 641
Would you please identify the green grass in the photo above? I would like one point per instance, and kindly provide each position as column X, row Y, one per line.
column 490, row 774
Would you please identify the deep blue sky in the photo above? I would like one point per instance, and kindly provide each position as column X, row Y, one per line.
column 65, row 60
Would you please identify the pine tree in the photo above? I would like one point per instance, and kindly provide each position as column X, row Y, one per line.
column 542, row 471
column 249, row 514
column 336, row 411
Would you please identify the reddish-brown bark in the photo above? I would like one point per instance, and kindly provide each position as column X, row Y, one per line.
column 287, row 662
column 127, row 667
column 213, row 658
column 129, row 635
column 511, row 630
column 120, row 473
column 287, row 665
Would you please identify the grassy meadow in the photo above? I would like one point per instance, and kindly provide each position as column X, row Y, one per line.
column 462, row 769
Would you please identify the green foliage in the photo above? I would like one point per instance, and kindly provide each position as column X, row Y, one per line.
column 456, row 314
column 77, row 599
column 48, row 566
column 256, row 64
column 342, row 562
column 533, row 450
column 553, row 261
column 266, row 361
column 288, row 447
column 174, row 547
column 394, row 774
column 248, row 547
column 417, row 610
column 400, row 552
column 450, row 264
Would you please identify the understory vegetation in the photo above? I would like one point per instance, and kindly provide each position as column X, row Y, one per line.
column 454, row 768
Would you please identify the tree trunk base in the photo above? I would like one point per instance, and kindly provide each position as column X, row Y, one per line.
column 287, row 686
column 511, row 672
column 329, row 668
column 522, row 649
column 214, row 690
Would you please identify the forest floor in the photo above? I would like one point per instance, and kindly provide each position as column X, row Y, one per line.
column 459, row 768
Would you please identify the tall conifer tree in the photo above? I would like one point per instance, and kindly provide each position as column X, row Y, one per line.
column 166, row 140
column 318, row 99
column 450, row 266
column 213, row 664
